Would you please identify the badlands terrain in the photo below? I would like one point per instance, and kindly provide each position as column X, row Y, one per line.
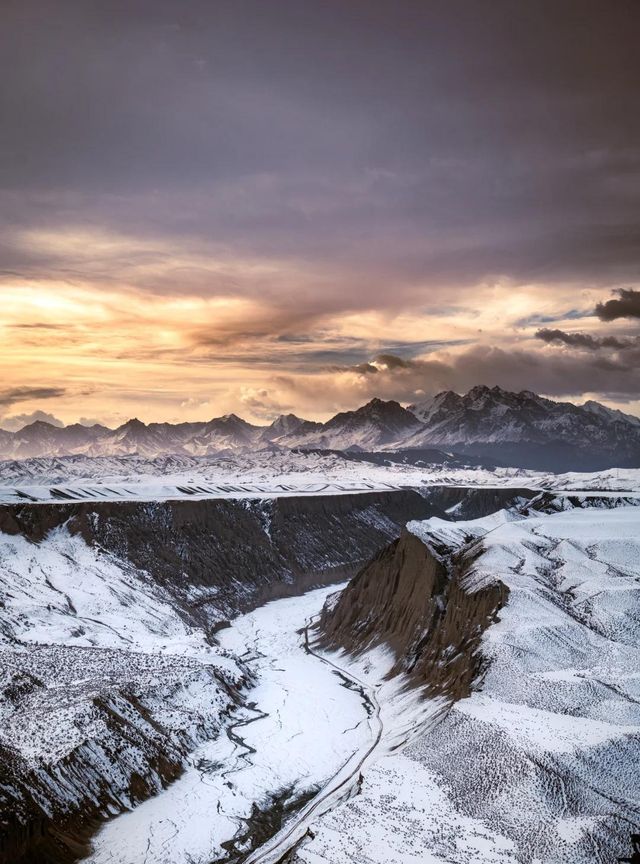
column 312, row 656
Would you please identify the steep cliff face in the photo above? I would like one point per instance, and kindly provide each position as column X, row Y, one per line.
column 463, row 502
column 413, row 595
column 540, row 761
column 221, row 557
column 411, row 599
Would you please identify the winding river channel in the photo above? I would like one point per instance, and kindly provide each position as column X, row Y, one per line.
column 297, row 749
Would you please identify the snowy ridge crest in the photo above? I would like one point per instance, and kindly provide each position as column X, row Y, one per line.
column 540, row 762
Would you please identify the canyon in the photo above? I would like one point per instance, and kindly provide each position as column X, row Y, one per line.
column 229, row 677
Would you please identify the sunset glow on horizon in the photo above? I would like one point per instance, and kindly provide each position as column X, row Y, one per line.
column 294, row 208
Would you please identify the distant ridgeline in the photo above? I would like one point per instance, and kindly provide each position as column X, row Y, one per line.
column 486, row 426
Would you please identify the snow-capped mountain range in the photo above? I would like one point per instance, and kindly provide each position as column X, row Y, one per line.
column 521, row 429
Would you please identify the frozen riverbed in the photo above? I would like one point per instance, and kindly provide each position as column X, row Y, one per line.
column 306, row 723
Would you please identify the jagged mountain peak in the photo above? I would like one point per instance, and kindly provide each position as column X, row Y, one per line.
column 371, row 426
column 37, row 425
column 611, row 415
column 499, row 394
column 133, row 424
column 289, row 428
column 377, row 410
column 283, row 419
column 230, row 420
column 533, row 430
column 482, row 390
column 94, row 427
column 376, row 402
column 478, row 397
column 289, row 422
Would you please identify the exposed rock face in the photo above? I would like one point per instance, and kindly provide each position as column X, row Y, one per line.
column 550, row 740
column 460, row 502
column 411, row 599
column 221, row 557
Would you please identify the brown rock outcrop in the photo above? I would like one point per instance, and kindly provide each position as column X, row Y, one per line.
column 415, row 602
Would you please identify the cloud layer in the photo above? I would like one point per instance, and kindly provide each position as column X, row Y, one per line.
column 586, row 340
column 254, row 206
column 626, row 305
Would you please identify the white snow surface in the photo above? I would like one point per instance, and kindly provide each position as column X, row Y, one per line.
column 541, row 762
column 261, row 474
column 305, row 726
column 539, row 765
column 63, row 591
column 85, row 636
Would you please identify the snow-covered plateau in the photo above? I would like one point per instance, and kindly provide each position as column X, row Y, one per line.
column 264, row 473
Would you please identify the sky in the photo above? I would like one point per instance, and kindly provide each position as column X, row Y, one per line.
column 215, row 206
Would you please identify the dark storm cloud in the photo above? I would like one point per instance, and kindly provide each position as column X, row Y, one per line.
column 586, row 340
column 556, row 374
column 626, row 306
column 365, row 369
column 319, row 350
column 382, row 363
column 424, row 141
column 14, row 395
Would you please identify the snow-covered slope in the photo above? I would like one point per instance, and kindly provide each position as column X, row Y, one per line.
column 104, row 690
column 222, row 434
column 375, row 424
column 255, row 475
column 524, row 426
column 540, row 763
column 64, row 591
column 370, row 427
column 611, row 415
column 288, row 426
column 493, row 415
column 109, row 682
